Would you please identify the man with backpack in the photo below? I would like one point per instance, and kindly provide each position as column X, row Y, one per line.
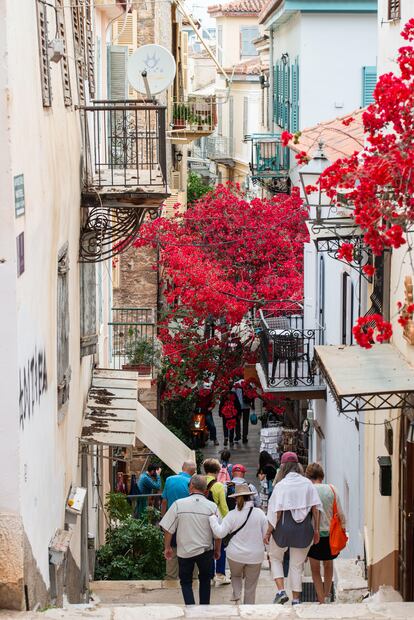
column 217, row 494
column 238, row 473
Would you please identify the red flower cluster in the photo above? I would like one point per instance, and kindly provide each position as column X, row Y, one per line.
column 371, row 328
column 346, row 252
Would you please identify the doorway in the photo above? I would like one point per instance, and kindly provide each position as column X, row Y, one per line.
column 406, row 510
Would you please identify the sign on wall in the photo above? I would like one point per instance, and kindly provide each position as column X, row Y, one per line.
column 19, row 205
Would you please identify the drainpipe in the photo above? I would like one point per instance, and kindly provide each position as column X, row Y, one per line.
column 271, row 79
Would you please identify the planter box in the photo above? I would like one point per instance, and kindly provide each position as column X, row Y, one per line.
column 141, row 369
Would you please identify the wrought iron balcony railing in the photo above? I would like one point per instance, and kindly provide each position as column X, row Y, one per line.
column 220, row 149
column 286, row 353
column 127, row 141
column 268, row 157
column 128, row 328
column 196, row 115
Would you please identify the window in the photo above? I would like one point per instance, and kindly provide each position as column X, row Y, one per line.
column 245, row 116
column 42, row 26
column 247, row 36
column 220, row 44
column 347, row 309
column 369, row 80
column 61, row 33
column 63, row 368
column 394, row 9
column 88, row 330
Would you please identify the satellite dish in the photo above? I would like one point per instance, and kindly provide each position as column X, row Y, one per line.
column 154, row 64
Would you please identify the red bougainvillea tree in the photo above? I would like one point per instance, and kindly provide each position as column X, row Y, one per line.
column 379, row 180
column 220, row 261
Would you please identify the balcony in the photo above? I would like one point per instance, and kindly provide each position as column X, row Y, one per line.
column 221, row 150
column 128, row 329
column 269, row 162
column 286, row 357
column 125, row 176
column 193, row 118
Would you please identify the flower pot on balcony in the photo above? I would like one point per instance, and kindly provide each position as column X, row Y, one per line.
column 179, row 123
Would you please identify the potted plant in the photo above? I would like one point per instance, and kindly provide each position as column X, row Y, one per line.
column 180, row 115
column 140, row 354
column 207, row 122
column 193, row 122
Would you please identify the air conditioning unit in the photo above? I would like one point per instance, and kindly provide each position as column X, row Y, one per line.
column 175, row 181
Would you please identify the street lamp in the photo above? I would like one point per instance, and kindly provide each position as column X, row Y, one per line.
column 310, row 175
column 410, row 434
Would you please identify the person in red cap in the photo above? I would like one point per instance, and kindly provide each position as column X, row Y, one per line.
column 293, row 515
column 237, row 474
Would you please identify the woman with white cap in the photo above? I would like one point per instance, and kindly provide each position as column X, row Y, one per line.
column 245, row 528
column 293, row 516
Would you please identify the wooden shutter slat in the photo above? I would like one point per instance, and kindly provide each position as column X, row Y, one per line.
column 44, row 54
column 117, row 63
column 61, row 31
column 88, row 326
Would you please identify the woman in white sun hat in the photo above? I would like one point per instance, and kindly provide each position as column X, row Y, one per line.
column 243, row 529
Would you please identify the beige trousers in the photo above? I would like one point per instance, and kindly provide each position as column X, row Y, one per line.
column 250, row 573
column 171, row 566
column 297, row 558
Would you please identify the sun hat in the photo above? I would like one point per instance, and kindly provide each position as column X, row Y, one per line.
column 238, row 467
column 242, row 489
column 289, row 457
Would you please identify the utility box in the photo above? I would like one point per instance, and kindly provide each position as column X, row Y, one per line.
column 385, row 477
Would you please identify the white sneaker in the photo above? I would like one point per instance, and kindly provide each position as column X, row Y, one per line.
column 222, row 580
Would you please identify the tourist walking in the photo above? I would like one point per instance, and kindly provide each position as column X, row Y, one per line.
column 148, row 482
column 189, row 519
column 246, row 404
column 267, row 470
column 217, row 494
column 176, row 487
column 224, row 475
column 245, row 528
column 293, row 516
column 230, row 412
column 321, row 552
column 205, row 405
column 238, row 473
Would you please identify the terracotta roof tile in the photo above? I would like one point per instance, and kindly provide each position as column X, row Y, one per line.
column 339, row 140
column 242, row 7
column 247, row 67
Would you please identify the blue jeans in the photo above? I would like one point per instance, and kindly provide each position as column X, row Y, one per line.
column 185, row 572
column 211, row 426
column 221, row 562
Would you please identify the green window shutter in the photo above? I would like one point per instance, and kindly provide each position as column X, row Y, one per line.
column 369, row 80
column 294, row 122
column 286, row 97
column 275, row 91
column 280, row 101
column 247, row 36
column 117, row 71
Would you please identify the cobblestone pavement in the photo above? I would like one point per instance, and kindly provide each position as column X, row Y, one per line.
column 360, row 611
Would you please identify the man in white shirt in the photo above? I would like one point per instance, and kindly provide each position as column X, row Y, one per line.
column 189, row 519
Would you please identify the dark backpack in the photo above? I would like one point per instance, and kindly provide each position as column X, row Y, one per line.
column 210, row 493
column 231, row 501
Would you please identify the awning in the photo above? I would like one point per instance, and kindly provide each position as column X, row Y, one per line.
column 360, row 379
column 161, row 441
column 111, row 408
column 114, row 417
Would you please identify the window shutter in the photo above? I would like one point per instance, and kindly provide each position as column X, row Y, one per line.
column 220, row 44
column 294, row 124
column 78, row 26
column 231, row 126
column 394, row 9
column 90, row 57
column 245, row 116
column 280, row 99
column 88, row 327
column 247, row 35
column 286, row 97
column 276, row 93
column 184, row 60
column 63, row 368
column 61, row 33
column 117, row 68
column 369, row 80
column 44, row 54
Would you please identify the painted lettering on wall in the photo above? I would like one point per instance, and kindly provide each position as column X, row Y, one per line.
column 32, row 384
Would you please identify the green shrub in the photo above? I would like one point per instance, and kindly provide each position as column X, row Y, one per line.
column 196, row 188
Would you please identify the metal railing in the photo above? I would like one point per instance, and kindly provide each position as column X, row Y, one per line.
column 127, row 328
column 196, row 114
column 219, row 148
column 268, row 157
column 286, row 352
column 127, row 145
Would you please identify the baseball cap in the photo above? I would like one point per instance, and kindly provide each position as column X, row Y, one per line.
column 239, row 467
column 289, row 457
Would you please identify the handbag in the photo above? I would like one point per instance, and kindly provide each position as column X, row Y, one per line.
column 253, row 418
column 290, row 533
column 337, row 534
column 228, row 538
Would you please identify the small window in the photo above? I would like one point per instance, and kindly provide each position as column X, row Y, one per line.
column 247, row 36
column 394, row 9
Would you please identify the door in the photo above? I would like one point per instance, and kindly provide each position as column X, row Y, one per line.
column 406, row 499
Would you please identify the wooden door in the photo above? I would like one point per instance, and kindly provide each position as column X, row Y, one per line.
column 406, row 499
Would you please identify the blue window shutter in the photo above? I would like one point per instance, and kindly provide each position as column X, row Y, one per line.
column 247, row 35
column 276, row 93
column 280, row 99
column 286, row 97
column 294, row 123
column 369, row 80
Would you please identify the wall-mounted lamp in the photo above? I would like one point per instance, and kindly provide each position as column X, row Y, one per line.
column 285, row 58
column 264, row 81
column 178, row 157
column 410, row 434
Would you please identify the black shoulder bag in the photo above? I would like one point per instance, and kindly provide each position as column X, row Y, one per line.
column 228, row 538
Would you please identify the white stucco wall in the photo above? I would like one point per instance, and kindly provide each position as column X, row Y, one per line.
column 232, row 38
column 45, row 145
column 389, row 39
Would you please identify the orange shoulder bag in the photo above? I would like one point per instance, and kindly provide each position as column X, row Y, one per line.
column 337, row 534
